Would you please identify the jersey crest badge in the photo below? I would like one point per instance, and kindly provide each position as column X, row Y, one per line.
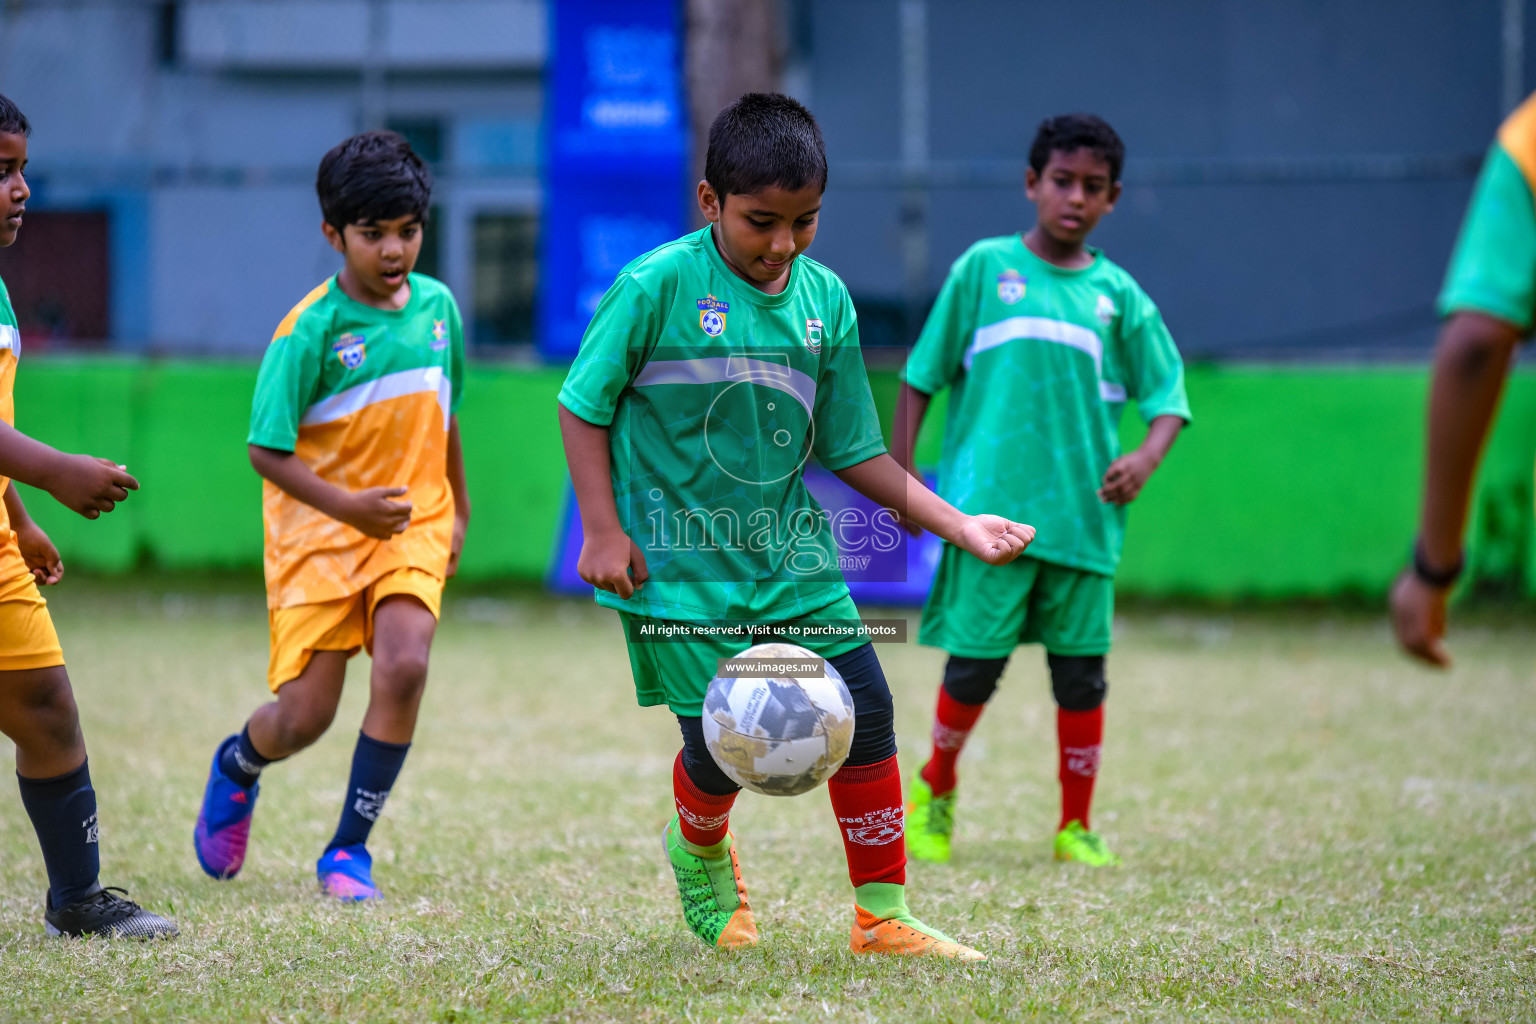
column 439, row 335
column 351, row 349
column 813, row 336
column 1105, row 310
column 1010, row 286
column 712, row 315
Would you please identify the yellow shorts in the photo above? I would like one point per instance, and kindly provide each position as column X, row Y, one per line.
column 27, row 639
column 345, row 624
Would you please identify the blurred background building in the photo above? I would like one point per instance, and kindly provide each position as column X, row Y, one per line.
column 1297, row 170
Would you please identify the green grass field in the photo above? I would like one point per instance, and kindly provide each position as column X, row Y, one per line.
column 1312, row 830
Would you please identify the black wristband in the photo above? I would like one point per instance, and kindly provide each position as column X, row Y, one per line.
column 1428, row 574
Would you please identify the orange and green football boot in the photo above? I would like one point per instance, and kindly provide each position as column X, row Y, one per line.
column 1077, row 843
column 715, row 905
column 930, row 821
column 891, row 929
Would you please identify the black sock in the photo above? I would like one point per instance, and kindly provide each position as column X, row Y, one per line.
column 375, row 764
column 240, row 762
column 63, row 813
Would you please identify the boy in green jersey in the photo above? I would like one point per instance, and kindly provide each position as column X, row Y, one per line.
column 713, row 368
column 353, row 428
column 1042, row 341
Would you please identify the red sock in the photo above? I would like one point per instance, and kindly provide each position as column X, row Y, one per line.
column 867, row 802
column 952, row 724
column 1079, row 734
column 703, row 817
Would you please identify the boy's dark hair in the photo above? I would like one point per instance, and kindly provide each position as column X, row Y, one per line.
column 372, row 177
column 1071, row 132
column 12, row 120
column 762, row 140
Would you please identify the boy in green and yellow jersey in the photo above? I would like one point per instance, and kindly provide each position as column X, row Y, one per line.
column 1489, row 305
column 37, row 703
column 1042, row 342
column 353, row 429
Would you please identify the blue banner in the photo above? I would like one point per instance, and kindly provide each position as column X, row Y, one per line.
column 615, row 171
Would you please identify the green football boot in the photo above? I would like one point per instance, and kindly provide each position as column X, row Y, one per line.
column 1077, row 843
column 714, row 897
column 930, row 822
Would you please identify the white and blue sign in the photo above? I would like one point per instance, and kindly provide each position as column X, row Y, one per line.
column 615, row 178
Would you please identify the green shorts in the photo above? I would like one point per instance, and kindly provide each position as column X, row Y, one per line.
column 677, row 673
column 978, row 610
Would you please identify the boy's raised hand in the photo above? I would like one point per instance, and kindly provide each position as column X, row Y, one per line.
column 38, row 552
column 371, row 511
column 88, row 485
column 993, row 539
column 606, row 561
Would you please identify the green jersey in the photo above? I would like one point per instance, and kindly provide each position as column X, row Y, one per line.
column 1493, row 270
column 715, row 395
column 1041, row 360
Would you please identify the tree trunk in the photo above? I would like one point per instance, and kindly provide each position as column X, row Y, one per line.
column 734, row 47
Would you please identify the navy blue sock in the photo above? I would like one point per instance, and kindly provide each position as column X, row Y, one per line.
column 63, row 813
column 375, row 764
column 240, row 762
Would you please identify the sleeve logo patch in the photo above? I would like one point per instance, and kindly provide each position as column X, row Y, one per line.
column 351, row 349
column 813, row 335
column 1010, row 286
column 712, row 315
column 439, row 335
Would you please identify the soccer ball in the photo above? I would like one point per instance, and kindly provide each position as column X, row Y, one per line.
column 779, row 734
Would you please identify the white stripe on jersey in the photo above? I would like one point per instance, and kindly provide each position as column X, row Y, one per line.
column 382, row 389
column 10, row 338
column 1059, row 332
column 726, row 369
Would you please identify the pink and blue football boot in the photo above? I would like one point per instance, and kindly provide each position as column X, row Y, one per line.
column 347, row 873
column 224, row 822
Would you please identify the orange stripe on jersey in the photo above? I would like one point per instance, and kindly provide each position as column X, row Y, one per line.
column 1518, row 137
column 286, row 327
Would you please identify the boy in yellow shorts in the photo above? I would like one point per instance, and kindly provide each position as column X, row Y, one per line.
column 37, row 706
column 353, row 429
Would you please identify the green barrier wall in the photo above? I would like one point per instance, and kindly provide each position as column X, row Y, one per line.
column 1291, row 483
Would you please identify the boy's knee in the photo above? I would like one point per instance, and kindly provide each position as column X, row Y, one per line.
column 874, row 713
column 972, row 680
column 1077, row 681
column 300, row 724
column 47, row 711
column 401, row 674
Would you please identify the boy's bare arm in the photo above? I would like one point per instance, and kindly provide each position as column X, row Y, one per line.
column 82, row 483
column 460, row 488
column 1128, row 474
column 911, row 407
column 992, row 539
column 1472, row 362
column 370, row 510
column 609, row 559
column 36, row 549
